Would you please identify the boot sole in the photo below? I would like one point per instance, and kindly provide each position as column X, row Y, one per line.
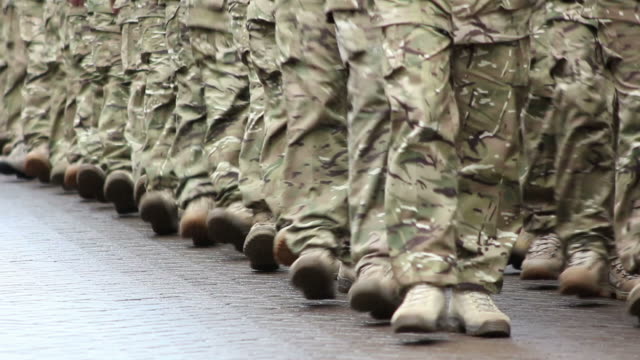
column 582, row 290
column 160, row 217
column 365, row 297
column 90, row 185
column 498, row 328
column 258, row 247
column 538, row 273
column 120, row 193
column 315, row 283
column 226, row 230
column 197, row 231
column 38, row 168
column 411, row 326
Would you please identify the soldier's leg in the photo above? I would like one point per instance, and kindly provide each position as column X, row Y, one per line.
column 115, row 162
column 618, row 39
column 226, row 93
column 314, row 203
column 187, row 157
column 490, row 83
column 264, row 60
column 55, row 20
column 369, row 128
column 12, row 92
column 421, row 185
column 78, row 65
column 5, row 136
column 36, row 95
column 545, row 259
column 582, row 115
column 158, row 206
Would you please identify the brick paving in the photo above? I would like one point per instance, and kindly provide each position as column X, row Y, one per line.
column 79, row 282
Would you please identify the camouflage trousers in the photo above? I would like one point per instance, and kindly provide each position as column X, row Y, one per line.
column 578, row 134
column 159, row 99
column 369, row 134
column 250, row 166
column 186, row 158
column 60, row 126
column 315, row 169
column 539, row 146
column 36, row 89
column 619, row 41
column 454, row 122
column 261, row 27
column 264, row 138
column 14, row 75
column 226, row 95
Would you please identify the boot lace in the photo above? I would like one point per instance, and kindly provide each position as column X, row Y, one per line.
column 481, row 301
column 546, row 246
column 621, row 273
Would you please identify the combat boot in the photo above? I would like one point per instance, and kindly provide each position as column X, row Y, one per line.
column 118, row 189
column 281, row 251
column 375, row 291
column 544, row 260
column 346, row 277
column 193, row 224
column 520, row 248
column 230, row 224
column 13, row 164
column 37, row 164
column 314, row 272
column 140, row 189
column 621, row 281
column 586, row 272
column 71, row 177
column 258, row 246
column 422, row 310
column 475, row 313
column 633, row 301
column 57, row 173
column 160, row 209
column 90, row 181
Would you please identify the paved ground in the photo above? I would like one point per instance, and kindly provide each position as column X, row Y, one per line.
column 79, row 282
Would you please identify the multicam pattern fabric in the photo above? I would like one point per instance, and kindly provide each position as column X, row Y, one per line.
column 451, row 213
column 13, row 48
column 369, row 128
column 314, row 199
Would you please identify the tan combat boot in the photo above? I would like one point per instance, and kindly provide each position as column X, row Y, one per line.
column 230, row 224
column 476, row 313
column 118, row 189
column 520, row 248
column 422, row 310
column 314, row 272
column 258, row 245
column 71, row 177
column 544, row 260
column 193, row 224
column 375, row 291
column 90, row 182
column 57, row 173
column 620, row 280
column 585, row 274
column 160, row 209
column 14, row 163
column 37, row 164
